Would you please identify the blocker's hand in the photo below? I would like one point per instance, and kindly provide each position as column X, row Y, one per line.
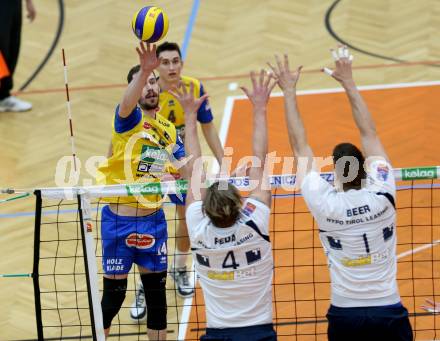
column 261, row 89
column 286, row 79
column 343, row 60
column 189, row 104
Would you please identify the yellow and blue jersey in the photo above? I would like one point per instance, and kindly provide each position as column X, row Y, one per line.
column 172, row 110
column 143, row 148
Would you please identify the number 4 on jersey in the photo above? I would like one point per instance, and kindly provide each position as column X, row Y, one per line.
column 252, row 256
column 162, row 250
column 233, row 264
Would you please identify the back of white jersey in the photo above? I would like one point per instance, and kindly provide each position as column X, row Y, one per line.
column 235, row 266
column 357, row 231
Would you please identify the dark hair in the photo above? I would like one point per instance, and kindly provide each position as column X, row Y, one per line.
column 222, row 204
column 342, row 170
column 167, row 46
column 134, row 70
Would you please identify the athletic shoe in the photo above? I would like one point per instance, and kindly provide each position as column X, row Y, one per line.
column 181, row 278
column 138, row 310
column 13, row 104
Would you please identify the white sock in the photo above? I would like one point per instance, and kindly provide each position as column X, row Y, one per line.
column 180, row 259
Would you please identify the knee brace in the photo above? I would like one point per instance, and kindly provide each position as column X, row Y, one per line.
column 156, row 299
column 112, row 298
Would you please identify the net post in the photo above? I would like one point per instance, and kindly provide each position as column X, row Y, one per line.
column 90, row 269
column 35, row 270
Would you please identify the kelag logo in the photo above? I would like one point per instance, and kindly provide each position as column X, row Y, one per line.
column 153, row 154
column 419, row 173
column 140, row 241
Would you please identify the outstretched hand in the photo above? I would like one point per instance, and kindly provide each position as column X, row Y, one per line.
column 431, row 307
column 31, row 12
column 189, row 104
column 261, row 89
column 286, row 79
column 343, row 60
column 147, row 57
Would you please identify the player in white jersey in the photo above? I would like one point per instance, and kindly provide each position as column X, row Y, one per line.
column 230, row 236
column 356, row 218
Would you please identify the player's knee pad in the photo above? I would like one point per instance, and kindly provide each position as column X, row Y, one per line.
column 112, row 298
column 156, row 299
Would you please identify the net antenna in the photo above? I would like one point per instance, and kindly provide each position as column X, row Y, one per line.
column 86, row 233
column 69, row 112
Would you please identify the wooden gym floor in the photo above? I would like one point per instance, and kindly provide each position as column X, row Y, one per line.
column 229, row 39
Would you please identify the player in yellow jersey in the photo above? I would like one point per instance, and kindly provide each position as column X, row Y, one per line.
column 135, row 231
column 170, row 77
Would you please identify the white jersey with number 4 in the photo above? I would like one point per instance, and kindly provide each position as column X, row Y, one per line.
column 357, row 229
column 234, row 265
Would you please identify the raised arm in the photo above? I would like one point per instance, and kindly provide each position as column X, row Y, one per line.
column 213, row 140
column 192, row 145
column 148, row 62
column 371, row 144
column 259, row 97
column 297, row 134
column 206, row 120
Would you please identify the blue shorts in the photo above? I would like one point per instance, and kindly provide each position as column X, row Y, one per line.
column 262, row 332
column 175, row 199
column 127, row 240
column 369, row 323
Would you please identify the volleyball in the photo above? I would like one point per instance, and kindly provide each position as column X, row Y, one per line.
column 150, row 24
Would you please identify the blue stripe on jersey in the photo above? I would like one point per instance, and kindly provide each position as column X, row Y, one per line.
column 253, row 226
column 179, row 149
column 204, row 114
column 140, row 19
column 123, row 124
column 158, row 28
column 389, row 197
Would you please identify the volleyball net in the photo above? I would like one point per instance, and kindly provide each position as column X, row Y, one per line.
column 67, row 271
